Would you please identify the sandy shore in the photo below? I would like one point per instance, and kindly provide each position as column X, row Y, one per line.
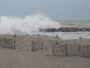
column 22, row 57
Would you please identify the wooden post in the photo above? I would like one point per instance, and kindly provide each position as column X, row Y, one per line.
column 41, row 47
column 10, row 43
column 66, row 54
column 56, row 42
column 53, row 49
column 32, row 46
column 88, row 50
column 79, row 48
column 14, row 46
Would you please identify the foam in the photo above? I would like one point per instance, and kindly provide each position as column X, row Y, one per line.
column 27, row 25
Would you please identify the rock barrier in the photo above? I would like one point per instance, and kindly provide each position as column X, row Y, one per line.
column 65, row 29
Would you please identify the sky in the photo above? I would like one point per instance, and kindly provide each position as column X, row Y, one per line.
column 55, row 9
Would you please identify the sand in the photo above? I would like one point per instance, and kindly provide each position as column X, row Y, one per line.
column 22, row 57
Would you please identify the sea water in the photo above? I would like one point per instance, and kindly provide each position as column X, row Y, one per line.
column 32, row 23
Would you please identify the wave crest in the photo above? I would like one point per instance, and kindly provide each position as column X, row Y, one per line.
column 28, row 24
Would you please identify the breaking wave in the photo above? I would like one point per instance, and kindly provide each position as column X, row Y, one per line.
column 26, row 25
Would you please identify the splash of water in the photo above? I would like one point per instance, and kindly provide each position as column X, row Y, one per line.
column 28, row 24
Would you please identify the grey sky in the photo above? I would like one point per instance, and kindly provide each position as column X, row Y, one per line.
column 57, row 9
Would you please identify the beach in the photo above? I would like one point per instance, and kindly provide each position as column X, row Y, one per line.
column 23, row 57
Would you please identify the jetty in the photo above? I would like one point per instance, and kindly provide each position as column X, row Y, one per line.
column 66, row 29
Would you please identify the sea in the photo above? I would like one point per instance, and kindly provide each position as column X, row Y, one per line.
column 72, row 35
column 32, row 23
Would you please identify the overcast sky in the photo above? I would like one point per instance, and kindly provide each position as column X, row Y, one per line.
column 56, row 9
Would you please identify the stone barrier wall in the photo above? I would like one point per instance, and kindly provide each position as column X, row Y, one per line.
column 65, row 29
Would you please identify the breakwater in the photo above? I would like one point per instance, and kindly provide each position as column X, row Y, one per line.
column 65, row 29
